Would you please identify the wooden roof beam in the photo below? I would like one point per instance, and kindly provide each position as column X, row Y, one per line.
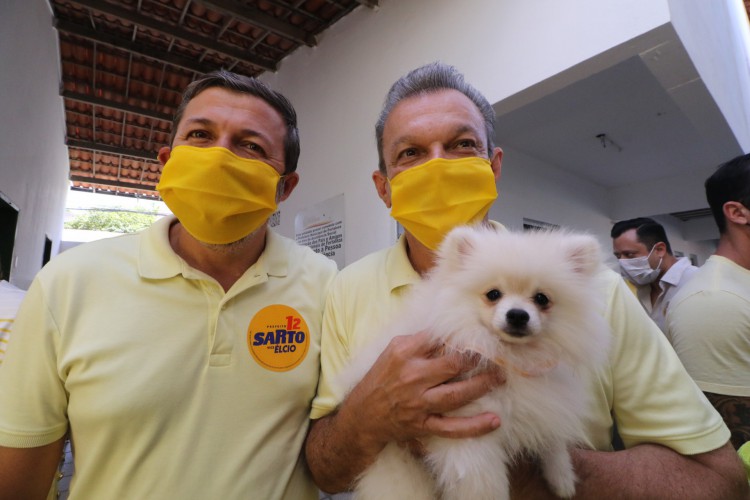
column 113, row 150
column 258, row 18
column 110, row 183
column 119, row 106
column 133, row 47
column 177, row 32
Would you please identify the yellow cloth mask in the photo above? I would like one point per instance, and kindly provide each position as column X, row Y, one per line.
column 432, row 198
column 218, row 196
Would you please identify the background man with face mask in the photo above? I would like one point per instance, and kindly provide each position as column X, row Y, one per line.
column 435, row 128
column 646, row 260
column 183, row 358
column 708, row 322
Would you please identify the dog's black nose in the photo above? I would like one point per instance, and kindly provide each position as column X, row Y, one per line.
column 517, row 318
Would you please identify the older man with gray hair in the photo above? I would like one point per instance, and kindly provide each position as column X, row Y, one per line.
column 677, row 445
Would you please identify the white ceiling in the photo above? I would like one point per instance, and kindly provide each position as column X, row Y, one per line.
column 659, row 119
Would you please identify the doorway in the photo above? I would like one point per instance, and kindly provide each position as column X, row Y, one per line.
column 47, row 250
column 8, row 223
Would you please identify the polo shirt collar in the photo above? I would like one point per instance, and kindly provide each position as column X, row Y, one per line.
column 674, row 273
column 157, row 260
column 274, row 260
column 398, row 267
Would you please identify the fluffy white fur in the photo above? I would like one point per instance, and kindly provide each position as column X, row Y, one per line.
column 476, row 299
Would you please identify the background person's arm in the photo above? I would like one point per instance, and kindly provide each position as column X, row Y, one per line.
column 27, row 473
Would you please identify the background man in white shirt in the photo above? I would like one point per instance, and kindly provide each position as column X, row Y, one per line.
column 647, row 262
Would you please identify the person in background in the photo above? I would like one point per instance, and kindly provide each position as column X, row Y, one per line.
column 709, row 319
column 646, row 260
column 182, row 359
column 436, row 131
column 10, row 300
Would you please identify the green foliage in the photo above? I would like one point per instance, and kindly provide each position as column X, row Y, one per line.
column 112, row 221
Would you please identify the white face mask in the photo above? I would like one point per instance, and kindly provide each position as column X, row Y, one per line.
column 638, row 270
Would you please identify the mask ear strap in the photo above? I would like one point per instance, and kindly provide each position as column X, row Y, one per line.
column 661, row 259
column 280, row 187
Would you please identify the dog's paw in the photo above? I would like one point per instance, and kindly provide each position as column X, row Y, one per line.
column 565, row 488
column 557, row 470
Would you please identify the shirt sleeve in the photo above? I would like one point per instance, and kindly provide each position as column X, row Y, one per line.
column 334, row 351
column 654, row 398
column 33, row 400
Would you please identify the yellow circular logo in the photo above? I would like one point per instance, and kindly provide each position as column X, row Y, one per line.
column 278, row 338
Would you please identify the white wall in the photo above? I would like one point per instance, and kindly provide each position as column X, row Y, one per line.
column 531, row 189
column 681, row 240
column 502, row 47
column 33, row 156
column 675, row 194
column 707, row 28
column 702, row 229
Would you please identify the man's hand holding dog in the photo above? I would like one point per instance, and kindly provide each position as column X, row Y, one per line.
column 403, row 397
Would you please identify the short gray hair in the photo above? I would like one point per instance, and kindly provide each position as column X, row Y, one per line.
column 427, row 79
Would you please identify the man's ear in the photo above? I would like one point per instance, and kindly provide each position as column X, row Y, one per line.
column 660, row 248
column 496, row 161
column 287, row 185
column 734, row 213
column 164, row 154
column 382, row 186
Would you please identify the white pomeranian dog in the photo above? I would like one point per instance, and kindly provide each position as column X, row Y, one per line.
column 530, row 303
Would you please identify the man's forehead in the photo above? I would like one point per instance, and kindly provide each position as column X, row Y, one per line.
column 628, row 238
column 444, row 102
column 448, row 99
column 222, row 98
column 241, row 111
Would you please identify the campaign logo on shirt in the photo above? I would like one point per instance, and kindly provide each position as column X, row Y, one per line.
column 278, row 338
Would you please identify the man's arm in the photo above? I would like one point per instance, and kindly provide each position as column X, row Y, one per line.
column 647, row 471
column 401, row 398
column 653, row 471
column 28, row 472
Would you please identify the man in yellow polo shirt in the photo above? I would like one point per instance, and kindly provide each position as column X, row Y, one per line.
column 182, row 359
column 436, row 131
column 710, row 325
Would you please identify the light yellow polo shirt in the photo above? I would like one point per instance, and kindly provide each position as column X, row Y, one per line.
column 709, row 327
column 173, row 388
column 644, row 386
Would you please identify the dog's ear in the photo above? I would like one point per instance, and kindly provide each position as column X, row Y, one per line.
column 584, row 252
column 457, row 245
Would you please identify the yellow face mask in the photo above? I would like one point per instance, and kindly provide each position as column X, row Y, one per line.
column 432, row 198
column 218, row 196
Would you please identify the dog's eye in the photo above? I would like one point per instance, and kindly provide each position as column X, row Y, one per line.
column 541, row 300
column 493, row 295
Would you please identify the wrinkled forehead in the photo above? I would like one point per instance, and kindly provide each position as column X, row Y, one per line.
column 423, row 112
column 236, row 108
